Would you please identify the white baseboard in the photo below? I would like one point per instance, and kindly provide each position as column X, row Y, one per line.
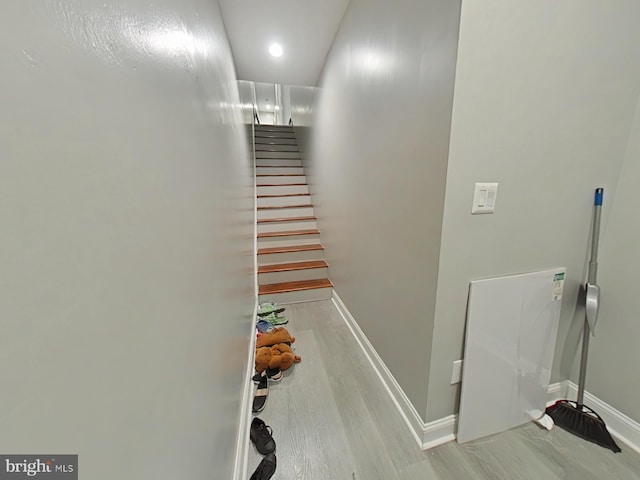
column 439, row 431
column 240, row 471
column 427, row 435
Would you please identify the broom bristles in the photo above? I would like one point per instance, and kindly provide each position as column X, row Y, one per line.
column 583, row 422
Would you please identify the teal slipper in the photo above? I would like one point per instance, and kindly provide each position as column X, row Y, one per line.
column 268, row 308
column 274, row 319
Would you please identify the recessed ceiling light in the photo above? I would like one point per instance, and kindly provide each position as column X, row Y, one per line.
column 277, row 107
column 268, row 106
column 275, row 49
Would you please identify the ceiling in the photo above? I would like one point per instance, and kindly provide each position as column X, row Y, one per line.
column 304, row 28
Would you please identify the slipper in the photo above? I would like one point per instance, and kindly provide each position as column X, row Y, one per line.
column 266, row 468
column 269, row 307
column 261, row 436
column 260, row 398
column 263, row 326
column 274, row 319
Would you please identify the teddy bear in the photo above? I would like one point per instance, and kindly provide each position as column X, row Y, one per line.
column 277, row 356
column 275, row 336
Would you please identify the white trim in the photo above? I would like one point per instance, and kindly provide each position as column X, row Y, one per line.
column 439, row 432
column 619, row 425
column 427, row 435
column 242, row 443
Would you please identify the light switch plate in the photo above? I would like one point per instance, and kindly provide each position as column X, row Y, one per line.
column 484, row 198
column 456, row 372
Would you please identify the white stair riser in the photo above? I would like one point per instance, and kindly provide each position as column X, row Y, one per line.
column 288, row 241
column 276, row 148
column 283, row 190
column 275, row 141
column 285, row 213
column 292, row 275
column 299, row 296
column 274, row 258
column 268, row 135
column 277, row 162
column 276, row 201
column 280, row 226
column 261, row 154
column 279, row 180
column 279, row 170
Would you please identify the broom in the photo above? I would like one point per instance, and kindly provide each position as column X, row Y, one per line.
column 575, row 417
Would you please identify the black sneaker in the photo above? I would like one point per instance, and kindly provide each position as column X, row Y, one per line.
column 266, row 469
column 261, row 436
column 273, row 374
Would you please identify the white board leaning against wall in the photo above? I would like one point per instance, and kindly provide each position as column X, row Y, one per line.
column 512, row 324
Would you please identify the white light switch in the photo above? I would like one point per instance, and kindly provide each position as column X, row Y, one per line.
column 484, row 198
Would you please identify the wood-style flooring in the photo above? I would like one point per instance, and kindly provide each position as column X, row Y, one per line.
column 333, row 420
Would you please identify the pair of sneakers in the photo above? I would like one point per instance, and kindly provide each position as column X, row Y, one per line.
column 262, row 437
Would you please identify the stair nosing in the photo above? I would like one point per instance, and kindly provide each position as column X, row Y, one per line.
column 283, row 185
column 309, row 218
column 292, row 266
column 290, row 249
column 282, row 207
column 288, row 233
column 279, row 174
column 300, row 285
column 285, row 195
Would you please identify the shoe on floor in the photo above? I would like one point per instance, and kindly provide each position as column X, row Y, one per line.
column 260, row 398
column 273, row 374
column 267, row 308
column 264, row 327
column 266, row 468
column 274, row 319
column 261, row 436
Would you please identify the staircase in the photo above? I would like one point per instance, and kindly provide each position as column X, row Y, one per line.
column 291, row 265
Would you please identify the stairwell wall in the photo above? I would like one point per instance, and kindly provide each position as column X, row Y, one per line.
column 544, row 100
column 376, row 158
column 127, row 238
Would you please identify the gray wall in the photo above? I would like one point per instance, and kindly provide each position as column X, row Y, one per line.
column 544, row 99
column 126, row 237
column 612, row 373
column 377, row 171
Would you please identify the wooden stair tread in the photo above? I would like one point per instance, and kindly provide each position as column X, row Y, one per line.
column 277, row 166
column 280, row 207
column 288, row 267
column 282, row 185
column 274, row 158
column 285, row 195
column 289, row 233
column 290, row 249
column 294, row 286
column 279, row 174
column 286, row 219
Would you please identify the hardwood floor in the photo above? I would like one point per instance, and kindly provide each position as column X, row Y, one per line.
column 333, row 420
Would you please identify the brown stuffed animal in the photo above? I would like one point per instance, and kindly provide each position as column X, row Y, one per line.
column 278, row 356
column 275, row 336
